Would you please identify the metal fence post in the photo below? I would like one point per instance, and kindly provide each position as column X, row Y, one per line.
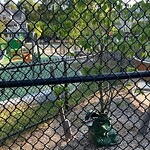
column 65, row 85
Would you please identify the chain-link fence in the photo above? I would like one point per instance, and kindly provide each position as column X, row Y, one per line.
column 74, row 74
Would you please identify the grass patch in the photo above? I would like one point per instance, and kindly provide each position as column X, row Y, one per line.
column 19, row 118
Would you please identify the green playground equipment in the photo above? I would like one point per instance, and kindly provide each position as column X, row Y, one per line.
column 16, row 48
column 12, row 47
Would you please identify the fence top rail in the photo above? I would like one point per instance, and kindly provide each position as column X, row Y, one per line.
column 75, row 79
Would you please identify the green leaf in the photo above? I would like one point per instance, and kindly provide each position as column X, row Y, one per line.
column 130, row 69
column 59, row 103
column 119, row 104
column 137, row 91
column 119, row 7
column 144, row 54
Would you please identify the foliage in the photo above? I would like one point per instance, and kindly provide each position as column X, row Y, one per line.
column 9, row 4
column 59, row 94
column 105, row 88
column 2, row 39
column 131, row 69
column 2, row 26
column 30, row 9
column 87, row 24
column 140, row 33
column 97, row 36
column 92, row 70
column 36, row 27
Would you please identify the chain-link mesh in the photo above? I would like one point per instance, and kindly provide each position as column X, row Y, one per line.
column 74, row 74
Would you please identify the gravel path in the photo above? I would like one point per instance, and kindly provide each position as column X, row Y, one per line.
column 126, row 113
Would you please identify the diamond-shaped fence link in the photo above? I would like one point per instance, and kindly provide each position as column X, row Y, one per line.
column 74, row 74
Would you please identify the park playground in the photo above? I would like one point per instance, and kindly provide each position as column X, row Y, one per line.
column 26, row 61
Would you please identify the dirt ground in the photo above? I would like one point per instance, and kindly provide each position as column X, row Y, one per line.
column 126, row 120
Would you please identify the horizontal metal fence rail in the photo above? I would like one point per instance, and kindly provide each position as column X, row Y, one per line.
column 63, row 80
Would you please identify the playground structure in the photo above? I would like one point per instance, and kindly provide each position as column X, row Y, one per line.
column 18, row 49
column 23, row 61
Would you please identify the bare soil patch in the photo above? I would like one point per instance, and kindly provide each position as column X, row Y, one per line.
column 126, row 113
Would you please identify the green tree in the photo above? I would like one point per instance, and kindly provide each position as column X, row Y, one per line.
column 140, row 32
column 30, row 9
column 10, row 4
column 52, row 16
column 46, row 10
column 35, row 27
column 92, row 27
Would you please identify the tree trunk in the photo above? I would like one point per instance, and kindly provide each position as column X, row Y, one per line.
column 66, row 125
